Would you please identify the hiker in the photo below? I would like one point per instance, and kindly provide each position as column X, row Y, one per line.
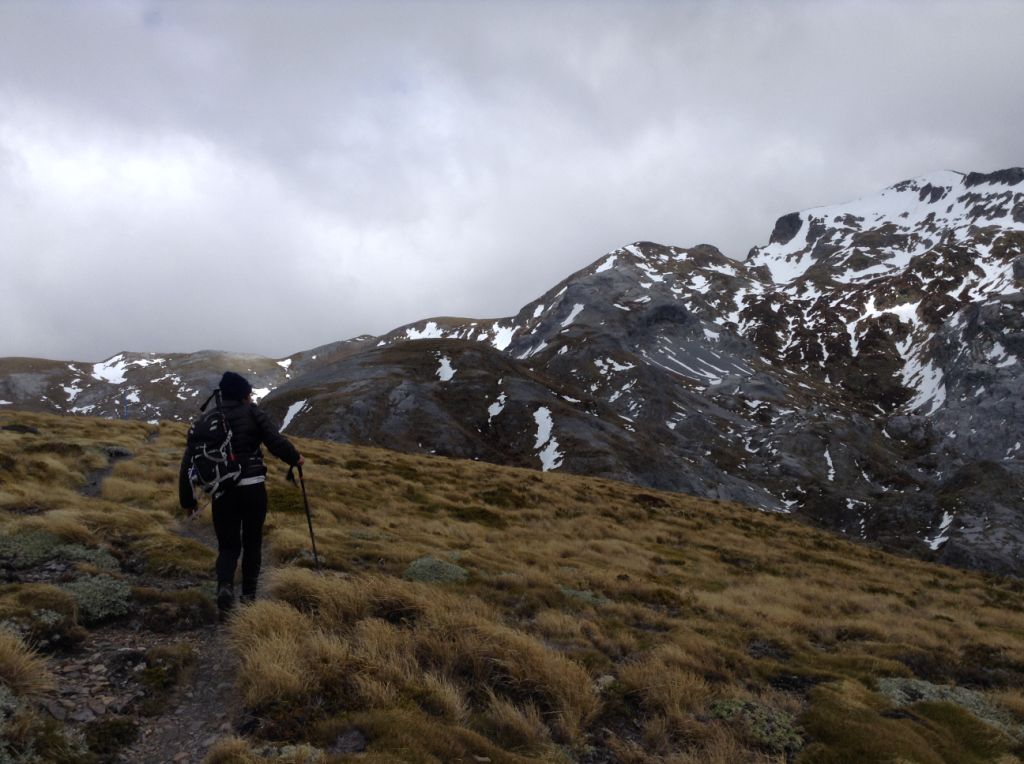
column 239, row 512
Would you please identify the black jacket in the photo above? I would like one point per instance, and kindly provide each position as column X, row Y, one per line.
column 250, row 428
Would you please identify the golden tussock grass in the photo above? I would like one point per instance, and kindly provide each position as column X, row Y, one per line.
column 595, row 616
column 1011, row 700
column 269, row 638
column 421, row 642
column 22, row 670
column 231, row 750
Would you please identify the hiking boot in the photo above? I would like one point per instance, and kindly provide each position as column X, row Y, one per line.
column 246, row 599
column 225, row 598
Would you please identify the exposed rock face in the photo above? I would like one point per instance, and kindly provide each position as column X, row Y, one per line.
column 862, row 369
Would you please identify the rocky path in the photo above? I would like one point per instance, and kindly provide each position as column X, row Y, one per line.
column 172, row 710
column 198, row 713
column 201, row 709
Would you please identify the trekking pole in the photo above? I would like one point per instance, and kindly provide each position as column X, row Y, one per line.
column 309, row 516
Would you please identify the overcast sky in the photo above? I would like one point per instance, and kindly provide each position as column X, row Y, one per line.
column 270, row 176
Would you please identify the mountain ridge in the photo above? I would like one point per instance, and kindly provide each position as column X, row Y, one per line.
column 861, row 369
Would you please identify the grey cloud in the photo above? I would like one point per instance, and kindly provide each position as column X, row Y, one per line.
column 354, row 166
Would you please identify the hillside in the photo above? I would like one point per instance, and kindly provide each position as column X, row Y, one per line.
column 861, row 369
column 473, row 612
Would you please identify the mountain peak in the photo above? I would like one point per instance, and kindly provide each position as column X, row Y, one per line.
column 873, row 235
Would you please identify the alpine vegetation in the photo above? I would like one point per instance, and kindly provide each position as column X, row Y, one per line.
column 476, row 612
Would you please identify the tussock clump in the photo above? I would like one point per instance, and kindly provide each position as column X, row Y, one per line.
column 44, row 614
column 341, row 601
column 167, row 554
column 50, row 470
column 664, row 686
column 22, row 671
column 270, row 638
column 232, row 750
column 409, row 640
column 517, row 727
column 119, row 525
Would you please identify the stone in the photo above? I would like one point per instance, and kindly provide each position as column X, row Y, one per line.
column 432, row 570
column 786, row 227
column 83, row 715
column 56, row 710
column 604, row 681
column 350, row 741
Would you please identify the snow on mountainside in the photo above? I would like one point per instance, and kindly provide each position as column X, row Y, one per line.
column 862, row 369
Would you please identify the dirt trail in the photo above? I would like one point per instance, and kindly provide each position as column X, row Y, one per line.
column 200, row 711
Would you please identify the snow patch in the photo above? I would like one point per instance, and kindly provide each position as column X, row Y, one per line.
column 430, row 331
column 286, row 363
column 927, row 380
column 550, row 457
column 576, row 309
column 112, row 370
column 502, row 336
column 257, row 394
column 497, row 407
column 604, row 365
column 445, row 371
column 942, row 536
column 289, row 415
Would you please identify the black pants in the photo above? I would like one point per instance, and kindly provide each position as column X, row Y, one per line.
column 238, row 518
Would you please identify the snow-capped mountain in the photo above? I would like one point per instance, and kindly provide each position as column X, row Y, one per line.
column 862, row 369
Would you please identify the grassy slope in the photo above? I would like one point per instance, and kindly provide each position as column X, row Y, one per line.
column 598, row 621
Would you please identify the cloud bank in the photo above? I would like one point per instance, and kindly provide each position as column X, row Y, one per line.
column 266, row 177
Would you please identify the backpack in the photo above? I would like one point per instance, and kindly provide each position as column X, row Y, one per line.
column 212, row 465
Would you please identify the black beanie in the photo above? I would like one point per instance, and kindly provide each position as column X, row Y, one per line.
column 234, row 386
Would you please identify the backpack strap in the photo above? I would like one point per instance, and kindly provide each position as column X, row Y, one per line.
column 214, row 394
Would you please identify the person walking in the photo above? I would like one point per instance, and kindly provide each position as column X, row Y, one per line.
column 240, row 511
